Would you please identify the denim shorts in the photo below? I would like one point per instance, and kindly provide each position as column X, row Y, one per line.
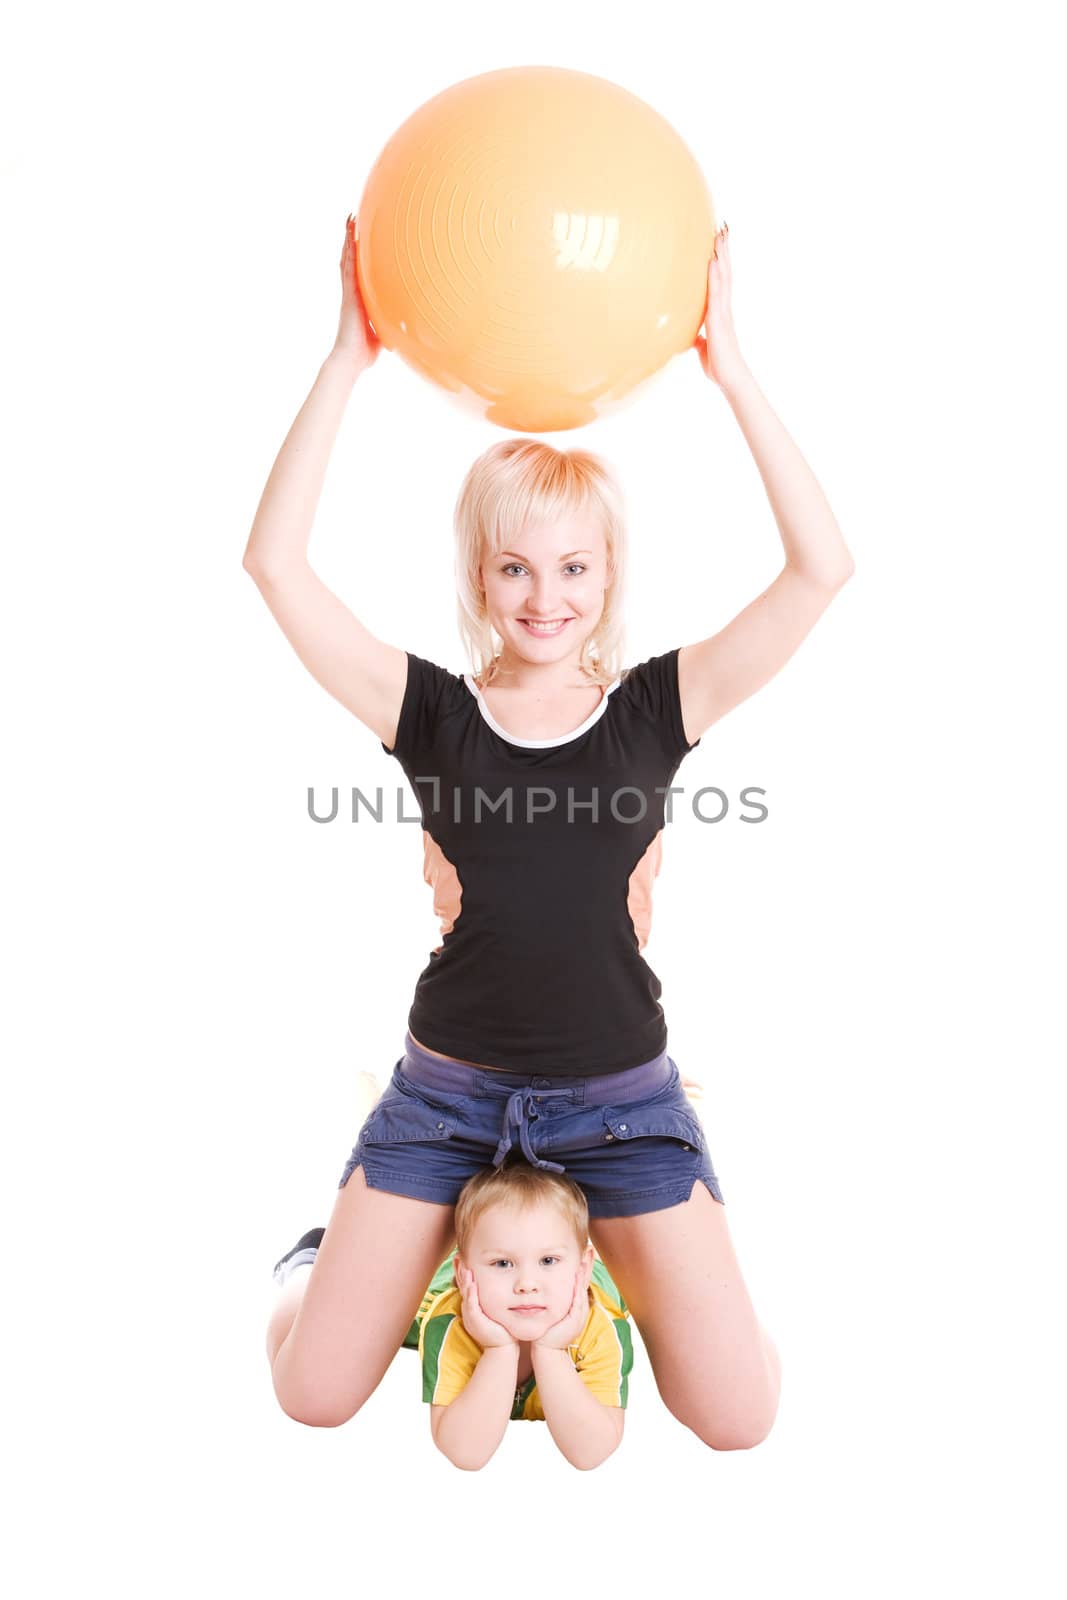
column 631, row 1140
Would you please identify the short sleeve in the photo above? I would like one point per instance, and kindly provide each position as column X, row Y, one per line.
column 427, row 693
column 606, row 1357
column 449, row 1354
column 652, row 689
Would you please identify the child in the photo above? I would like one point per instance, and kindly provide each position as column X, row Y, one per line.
column 530, row 1328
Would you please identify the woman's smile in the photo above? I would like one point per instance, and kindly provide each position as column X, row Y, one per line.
column 547, row 628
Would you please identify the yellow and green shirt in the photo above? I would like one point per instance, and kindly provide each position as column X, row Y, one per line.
column 602, row 1353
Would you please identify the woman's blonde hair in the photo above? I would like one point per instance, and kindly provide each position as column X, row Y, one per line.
column 514, row 483
column 516, row 1183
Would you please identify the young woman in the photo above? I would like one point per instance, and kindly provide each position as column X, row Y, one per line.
column 536, row 1026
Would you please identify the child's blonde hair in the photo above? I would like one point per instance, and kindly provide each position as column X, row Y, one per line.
column 520, row 481
column 516, row 1183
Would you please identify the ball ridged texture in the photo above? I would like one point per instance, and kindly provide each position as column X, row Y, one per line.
column 536, row 241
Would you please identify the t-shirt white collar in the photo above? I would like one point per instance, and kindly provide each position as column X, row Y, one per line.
column 540, row 744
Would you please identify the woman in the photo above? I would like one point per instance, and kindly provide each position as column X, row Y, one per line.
column 536, row 1025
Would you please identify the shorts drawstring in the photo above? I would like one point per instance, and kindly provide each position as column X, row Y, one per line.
column 518, row 1113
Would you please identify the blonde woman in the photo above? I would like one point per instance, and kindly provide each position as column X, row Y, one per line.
column 536, row 1027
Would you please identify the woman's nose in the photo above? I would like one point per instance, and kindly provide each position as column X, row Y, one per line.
column 543, row 597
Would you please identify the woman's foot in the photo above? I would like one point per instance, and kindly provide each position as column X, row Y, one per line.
column 302, row 1254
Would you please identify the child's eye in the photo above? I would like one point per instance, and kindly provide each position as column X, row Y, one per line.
column 501, row 1263
column 550, row 1260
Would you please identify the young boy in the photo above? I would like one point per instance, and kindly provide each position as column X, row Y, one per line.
column 523, row 1323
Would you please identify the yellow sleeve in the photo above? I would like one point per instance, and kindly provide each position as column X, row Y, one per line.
column 605, row 1356
column 448, row 1353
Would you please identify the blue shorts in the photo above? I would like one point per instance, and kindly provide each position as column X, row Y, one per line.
column 631, row 1140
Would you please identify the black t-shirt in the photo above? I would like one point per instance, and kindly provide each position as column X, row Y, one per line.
column 541, row 855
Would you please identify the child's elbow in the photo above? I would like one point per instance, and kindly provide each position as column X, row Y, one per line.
column 587, row 1463
column 463, row 1459
column 465, row 1463
column 604, row 1449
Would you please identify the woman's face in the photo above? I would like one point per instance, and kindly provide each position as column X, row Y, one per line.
column 546, row 597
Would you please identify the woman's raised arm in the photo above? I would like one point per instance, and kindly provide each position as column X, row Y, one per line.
column 719, row 672
column 365, row 675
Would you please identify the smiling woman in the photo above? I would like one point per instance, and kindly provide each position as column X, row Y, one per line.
column 536, row 1028
column 541, row 548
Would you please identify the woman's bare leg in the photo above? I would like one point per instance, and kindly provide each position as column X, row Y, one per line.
column 716, row 1367
column 338, row 1324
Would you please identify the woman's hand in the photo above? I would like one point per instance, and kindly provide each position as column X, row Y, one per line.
column 562, row 1334
column 481, row 1327
column 356, row 339
column 720, row 355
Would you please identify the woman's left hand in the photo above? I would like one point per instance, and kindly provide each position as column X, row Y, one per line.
column 563, row 1334
column 717, row 346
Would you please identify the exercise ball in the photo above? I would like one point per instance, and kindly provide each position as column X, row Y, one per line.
column 536, row 241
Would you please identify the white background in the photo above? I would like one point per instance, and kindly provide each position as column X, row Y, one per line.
column 866, row 983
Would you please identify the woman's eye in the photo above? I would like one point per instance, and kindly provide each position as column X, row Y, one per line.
column 515, row 568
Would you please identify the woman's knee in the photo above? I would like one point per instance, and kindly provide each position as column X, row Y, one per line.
column 316, row 1415
column 311, row 1390
column 749, row 1411
column 739, row 1433
column 311, row 1403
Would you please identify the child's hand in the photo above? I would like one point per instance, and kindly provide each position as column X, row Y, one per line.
column 720, row 354
column 355, row 336
column 564, row 1333
column 482, row 1329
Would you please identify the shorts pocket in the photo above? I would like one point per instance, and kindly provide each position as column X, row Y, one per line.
column 653, row 1122
column 399, row 1120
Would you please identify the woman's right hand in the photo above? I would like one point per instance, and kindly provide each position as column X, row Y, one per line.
column 482, row 1329
column 356, row 339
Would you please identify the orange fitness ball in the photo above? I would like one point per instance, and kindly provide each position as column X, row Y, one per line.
column 536, row 241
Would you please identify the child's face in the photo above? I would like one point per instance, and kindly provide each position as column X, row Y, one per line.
column 556, row 575
column 525, row 1262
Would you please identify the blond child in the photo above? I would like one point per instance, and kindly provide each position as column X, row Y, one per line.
column 523, row 1323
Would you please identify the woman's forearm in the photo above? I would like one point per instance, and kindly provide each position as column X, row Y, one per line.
column 282, row 527
column 475, row 1422
column 812, row 539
